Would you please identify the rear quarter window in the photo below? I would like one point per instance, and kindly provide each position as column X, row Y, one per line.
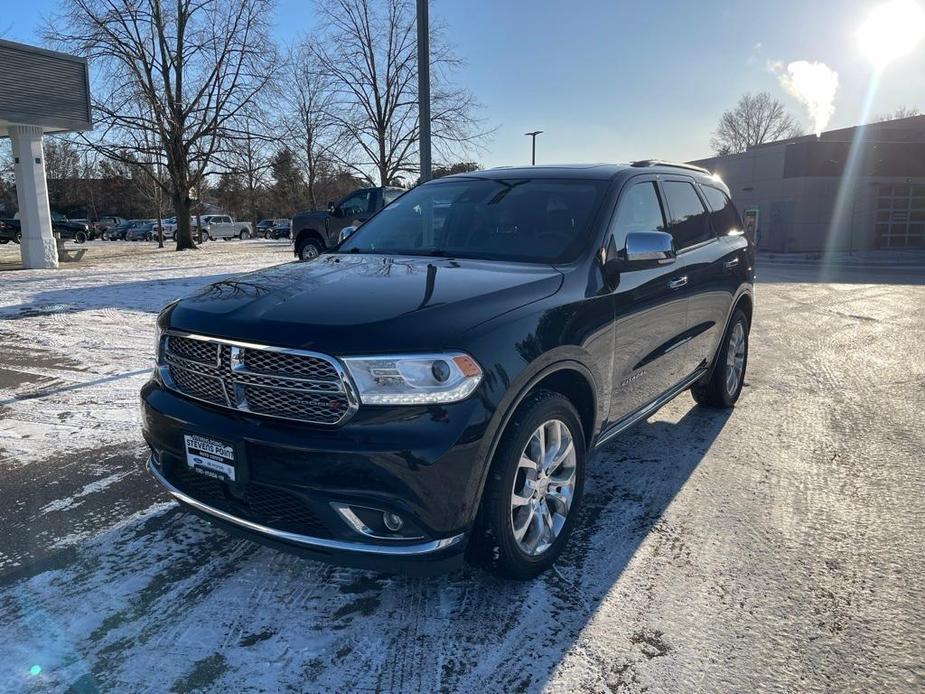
column 688, row 217
column 723, row 215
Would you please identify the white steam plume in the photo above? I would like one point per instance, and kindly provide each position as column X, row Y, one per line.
column 814, row 84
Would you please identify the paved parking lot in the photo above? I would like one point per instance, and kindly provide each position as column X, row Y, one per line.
column 777, row 547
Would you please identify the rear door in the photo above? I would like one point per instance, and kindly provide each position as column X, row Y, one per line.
column 724, row 266
column 694, row 271
column 650, row 315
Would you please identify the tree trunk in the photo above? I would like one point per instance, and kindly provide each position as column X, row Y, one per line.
column 182, row 206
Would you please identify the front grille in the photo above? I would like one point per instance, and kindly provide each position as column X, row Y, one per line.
column 301, row 386
column 197, row 350
column 284, row 364
column 258, row 503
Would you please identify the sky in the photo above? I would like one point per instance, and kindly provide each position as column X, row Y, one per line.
column 613, row 80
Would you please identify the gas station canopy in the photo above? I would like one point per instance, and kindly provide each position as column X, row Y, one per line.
column 41, row 92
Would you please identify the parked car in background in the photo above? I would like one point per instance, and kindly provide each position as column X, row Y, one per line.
column 68, row 230
column 315, row 231
column 119, row 232
column 10, row 231
column 263, row 227
column 104, row 224
column 169, row 227
column 282, row 229
column 142, row 232
column 221, row 226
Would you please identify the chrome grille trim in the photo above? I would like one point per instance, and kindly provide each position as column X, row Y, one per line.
column 294, row 398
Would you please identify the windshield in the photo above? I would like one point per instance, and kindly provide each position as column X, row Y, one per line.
column 525, row 220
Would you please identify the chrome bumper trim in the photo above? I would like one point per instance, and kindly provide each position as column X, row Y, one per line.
column 421, row 548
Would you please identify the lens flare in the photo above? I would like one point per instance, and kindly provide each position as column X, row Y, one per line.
column 892, row 30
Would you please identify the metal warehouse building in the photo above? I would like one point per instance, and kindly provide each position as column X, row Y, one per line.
column 858, row 188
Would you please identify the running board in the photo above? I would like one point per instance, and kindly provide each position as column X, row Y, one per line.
column 650, row 409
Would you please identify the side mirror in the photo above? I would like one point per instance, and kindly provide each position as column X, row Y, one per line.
column 646, row 249
column 331, row 208
column 345, row 233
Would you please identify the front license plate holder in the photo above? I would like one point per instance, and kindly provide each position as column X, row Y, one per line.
column 210, row 457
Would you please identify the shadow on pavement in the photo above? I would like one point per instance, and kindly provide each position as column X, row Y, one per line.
column 780, row 272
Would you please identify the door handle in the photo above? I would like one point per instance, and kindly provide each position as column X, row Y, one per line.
column 729, row 264
column 677, row 283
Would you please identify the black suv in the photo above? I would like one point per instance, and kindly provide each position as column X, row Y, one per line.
column 432, row 388
column 315, row 231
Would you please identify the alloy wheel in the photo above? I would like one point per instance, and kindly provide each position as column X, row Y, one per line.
column 735, row 358
column 544, row 487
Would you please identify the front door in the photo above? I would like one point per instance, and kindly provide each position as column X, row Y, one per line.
column 650, row 309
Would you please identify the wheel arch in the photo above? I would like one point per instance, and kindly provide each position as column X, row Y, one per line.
column 570, row 378
column 306, row 234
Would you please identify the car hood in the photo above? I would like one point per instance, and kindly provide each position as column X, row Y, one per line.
column 355, row 304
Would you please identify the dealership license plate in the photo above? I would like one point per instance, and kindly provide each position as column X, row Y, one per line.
column 210, row 457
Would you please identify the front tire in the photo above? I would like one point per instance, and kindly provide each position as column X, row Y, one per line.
column 309, row 250
column 724, row 385
column 534, row 489
column 80, row 237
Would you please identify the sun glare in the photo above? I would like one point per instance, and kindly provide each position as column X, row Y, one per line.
column 892, row 30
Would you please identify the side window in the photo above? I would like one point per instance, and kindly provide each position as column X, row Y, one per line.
column 388, row 195
column 723, row 215
column 688, row 222
column 639, row 210
column 356, row 204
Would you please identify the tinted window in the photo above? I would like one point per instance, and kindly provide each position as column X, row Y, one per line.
column 356, row 204
column 688, row 217
column 543, row 220
column 723, row 216
column 639, row 210
column 389, row 195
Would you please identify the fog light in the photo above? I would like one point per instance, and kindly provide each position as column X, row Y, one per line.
column 392, row 521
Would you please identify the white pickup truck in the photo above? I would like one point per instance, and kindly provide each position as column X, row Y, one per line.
column 221, row 226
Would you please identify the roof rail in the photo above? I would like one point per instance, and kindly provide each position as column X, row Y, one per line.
column 658, row 162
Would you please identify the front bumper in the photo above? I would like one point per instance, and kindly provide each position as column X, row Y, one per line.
column 431, row 556
column 420, row 462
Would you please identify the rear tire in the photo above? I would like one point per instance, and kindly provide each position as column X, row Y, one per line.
column 527, row 513
column 724, row 384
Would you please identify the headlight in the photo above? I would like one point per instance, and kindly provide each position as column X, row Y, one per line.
column 158, row 338
column 416, row 379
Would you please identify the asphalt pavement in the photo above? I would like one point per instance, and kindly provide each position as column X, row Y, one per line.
column 776, row 547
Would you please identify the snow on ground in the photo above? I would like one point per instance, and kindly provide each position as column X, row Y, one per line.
column 777, row 547
column 84, row 336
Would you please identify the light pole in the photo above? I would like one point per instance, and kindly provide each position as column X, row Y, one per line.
column 423, row 89
column 533, row 136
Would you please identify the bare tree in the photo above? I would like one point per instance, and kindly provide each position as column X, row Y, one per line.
column 171, row 78
column 901, row 112
column 756, row 119
column 245, row 159
column 312, row 126
column 368, row 51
